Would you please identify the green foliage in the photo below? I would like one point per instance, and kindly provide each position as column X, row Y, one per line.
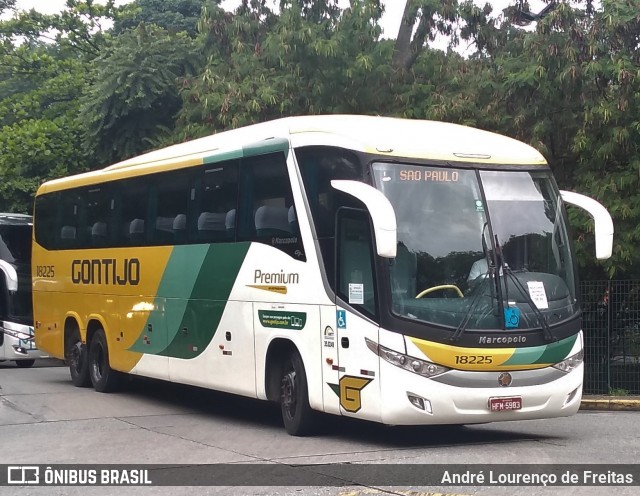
column 173, row 15
column 312, row 58
column 135, row 92
column 35, row 150
column 42, row 76
column 618, row 392
column 79, row 27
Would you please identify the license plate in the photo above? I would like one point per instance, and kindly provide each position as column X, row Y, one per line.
column 505, row 404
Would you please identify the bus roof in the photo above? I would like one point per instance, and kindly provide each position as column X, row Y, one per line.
column 392, row 137
column 9, row 219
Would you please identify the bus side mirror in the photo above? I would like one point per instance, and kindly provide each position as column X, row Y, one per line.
column 10, row 275
column 601, row 218
column 381, row 211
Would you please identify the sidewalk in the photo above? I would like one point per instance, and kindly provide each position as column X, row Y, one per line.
column 604, row 402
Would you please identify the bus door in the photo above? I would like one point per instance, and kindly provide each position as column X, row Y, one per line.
column 358, row 387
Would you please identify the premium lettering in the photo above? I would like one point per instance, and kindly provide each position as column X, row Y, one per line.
column 281, row 277
column 107, row 271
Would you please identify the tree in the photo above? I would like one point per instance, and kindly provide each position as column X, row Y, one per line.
column 42, row 75
column 135, row 94
column 433, row 17
column 311, row 58
column 173, row 15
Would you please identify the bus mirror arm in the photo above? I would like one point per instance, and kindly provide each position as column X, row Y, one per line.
column 602, row 220
column 381, row 211
column 11, row 275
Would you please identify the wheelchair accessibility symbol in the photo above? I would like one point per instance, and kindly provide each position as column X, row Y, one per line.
column 512, row 317
column 341, row 319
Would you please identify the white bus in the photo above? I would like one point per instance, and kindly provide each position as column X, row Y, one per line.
column 17, row 342
column 399, row 271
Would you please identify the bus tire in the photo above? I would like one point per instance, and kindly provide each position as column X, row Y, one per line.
column 78, row 361
column 25, row 364
column 103, row 377
column 298, row 417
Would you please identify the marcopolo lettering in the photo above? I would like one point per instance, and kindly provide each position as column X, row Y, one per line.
column 502, row 339
column 108, row 271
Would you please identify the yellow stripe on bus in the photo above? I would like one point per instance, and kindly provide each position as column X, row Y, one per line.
column 460, row 358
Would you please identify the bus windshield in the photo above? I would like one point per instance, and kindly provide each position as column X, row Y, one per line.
column 15, row 244
column 478, row 249
column 15, row 249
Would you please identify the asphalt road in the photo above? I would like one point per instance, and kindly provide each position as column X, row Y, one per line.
column 45, row 420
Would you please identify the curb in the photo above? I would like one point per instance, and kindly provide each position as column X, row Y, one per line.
column 610, row 404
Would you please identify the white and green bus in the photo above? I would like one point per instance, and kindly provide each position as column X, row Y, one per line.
column 17, row 342
column 399, row 271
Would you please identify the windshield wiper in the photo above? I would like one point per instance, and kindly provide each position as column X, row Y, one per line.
column 462, row 327
column 506, row 271
column 467, row 317
column 546, row 331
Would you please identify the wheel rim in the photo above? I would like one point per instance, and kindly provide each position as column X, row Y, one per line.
column 289, row 394
column 98, row 363
column 76, row 356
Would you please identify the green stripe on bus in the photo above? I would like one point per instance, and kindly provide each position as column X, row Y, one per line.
column 550, row 353
column 222, row 156
column 266, row 146
column 204, row 309
column 556, row 352
column 176, row 285
column 259, row 148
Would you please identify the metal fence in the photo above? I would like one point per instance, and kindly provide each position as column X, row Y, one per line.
column 611, row 324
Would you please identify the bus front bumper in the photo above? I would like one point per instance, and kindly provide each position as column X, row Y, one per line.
column 411, row 399
column 19, row 342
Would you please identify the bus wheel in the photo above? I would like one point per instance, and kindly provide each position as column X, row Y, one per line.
column 78, row 361
column 103, row 377
column 297, row 415
column 25, row 364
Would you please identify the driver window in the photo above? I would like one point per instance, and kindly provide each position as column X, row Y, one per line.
column 355, row 260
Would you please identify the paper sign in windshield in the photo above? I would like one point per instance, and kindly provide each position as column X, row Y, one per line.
column 356, row 294
column 538, row 294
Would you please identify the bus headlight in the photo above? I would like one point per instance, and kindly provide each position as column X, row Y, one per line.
column 568, row 364
column 415, row 365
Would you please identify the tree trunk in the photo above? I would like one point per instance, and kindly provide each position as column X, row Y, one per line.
column 401, row 60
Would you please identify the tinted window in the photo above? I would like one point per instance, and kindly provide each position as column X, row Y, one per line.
column 217, row 203
column 133, row 202
column 318, row 167
column 15, row 244
column 98, row 218
column 268, row 214
column 171, row 201
column 355, row 260
column 45, row 213
column 68, row 230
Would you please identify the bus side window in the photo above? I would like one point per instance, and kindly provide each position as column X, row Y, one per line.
column 45, row 212
column 267, row 213
column 68, row 225
column 133, row 206
column 172, row 190
column 217, row 202
column 98, row 218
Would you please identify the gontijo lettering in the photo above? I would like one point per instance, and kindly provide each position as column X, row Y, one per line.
column 106, row 271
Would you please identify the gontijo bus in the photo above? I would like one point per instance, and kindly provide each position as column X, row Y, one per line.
column 399, row 271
